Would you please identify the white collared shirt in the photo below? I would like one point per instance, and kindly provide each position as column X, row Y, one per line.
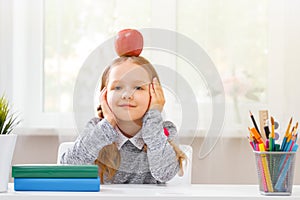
column 136, row 140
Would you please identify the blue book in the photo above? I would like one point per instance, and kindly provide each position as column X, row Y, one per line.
column 57, row 184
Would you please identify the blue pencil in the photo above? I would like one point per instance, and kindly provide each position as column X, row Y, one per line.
column 283, row 174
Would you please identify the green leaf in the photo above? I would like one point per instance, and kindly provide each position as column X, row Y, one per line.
column 7, row 121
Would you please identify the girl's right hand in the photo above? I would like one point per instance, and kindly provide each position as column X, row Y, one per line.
column 106, row 111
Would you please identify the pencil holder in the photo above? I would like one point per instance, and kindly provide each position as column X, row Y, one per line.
column 275, row 172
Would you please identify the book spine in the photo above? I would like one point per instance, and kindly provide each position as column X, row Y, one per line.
column 57, row 184
column 55, row 172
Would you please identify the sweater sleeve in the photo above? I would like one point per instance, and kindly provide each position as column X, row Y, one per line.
column 161, row 155
column 95, row 136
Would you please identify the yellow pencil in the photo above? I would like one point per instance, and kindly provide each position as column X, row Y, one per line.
column 266, row 168
column 296, row 127
column 289, row 136
column 288, row 128
column 284, row 141
column 294, row 130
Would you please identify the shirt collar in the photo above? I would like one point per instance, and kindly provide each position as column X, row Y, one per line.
column 136, row 140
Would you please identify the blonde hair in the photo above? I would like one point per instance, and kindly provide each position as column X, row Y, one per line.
column 109, row 158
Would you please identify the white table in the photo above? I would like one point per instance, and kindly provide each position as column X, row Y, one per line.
column 131, row 192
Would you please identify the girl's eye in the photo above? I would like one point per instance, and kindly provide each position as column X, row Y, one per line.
column 138, row 88
column 117, row 88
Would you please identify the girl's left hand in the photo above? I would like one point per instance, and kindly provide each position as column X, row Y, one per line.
column 157, row 96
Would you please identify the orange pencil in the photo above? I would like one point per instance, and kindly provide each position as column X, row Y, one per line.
column 256, row 135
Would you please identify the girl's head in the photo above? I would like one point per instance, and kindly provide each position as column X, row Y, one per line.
column 127, row 81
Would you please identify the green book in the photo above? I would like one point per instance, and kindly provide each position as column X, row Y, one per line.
column 54, row 171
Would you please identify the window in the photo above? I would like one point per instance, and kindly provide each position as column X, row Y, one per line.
column 246, row 40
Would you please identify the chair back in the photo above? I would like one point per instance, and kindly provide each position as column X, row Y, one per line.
column 63, row 147
column 187, row 167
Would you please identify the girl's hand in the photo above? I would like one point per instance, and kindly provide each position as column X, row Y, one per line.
column 157, row 96
column 106, row 112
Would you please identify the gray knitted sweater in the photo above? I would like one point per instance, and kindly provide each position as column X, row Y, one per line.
column 157, row 165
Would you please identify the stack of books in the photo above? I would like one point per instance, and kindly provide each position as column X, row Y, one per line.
column 40, row 177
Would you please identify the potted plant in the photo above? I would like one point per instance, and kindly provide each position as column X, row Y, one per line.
column 8, row 121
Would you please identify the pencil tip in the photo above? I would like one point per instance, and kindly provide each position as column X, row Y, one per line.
column 250, row 112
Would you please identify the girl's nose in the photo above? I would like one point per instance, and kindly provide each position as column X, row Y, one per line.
column 128, row 94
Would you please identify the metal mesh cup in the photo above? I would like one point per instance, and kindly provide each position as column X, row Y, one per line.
column 275, row 172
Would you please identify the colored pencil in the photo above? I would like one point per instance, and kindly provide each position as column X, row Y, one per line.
column 267, row 131
column 286, row 134
column 272, row 136
column 266, row 168
column 253, row 121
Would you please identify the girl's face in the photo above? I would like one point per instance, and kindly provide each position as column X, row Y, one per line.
column 128, row 93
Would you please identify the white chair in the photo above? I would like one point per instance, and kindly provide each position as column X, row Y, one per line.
column 187, row 176
column 185, row 179
column 63, row 147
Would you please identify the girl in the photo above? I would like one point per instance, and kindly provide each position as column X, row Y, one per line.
column 129, row 141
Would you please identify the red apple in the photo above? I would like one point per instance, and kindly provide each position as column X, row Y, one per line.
column 129, row 42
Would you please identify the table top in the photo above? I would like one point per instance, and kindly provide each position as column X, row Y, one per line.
column 167, row 191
